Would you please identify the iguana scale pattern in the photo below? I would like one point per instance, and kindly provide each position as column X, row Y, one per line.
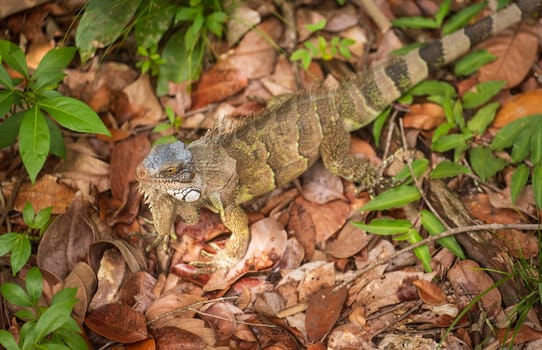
column 235, row 161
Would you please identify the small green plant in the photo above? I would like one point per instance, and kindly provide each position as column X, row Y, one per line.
column 50, row 327
column 173, row 123
column 190, row 23
column 325, row 49
column 30, row 107
column 18, row 244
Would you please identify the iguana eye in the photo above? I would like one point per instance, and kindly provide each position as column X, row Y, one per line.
column 170, row 171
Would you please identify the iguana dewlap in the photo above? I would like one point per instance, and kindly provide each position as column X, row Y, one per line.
column 235, row 162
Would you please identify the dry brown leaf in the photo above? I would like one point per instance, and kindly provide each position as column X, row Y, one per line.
column 348, row 242
column 525, row 334
column 323, row 311
column 46, row 192
column 342, row 18
column 468, row 280
column 424, row 116
column 429, row 292
column 84, row 279
column 303, row 17
column 125, row 158
column 321, row 186
column 217, row 84
column 111, row 275
column 143, row 107
column 282, row 81
column 221, row 317
column 519, row 106
column 146, row 344
column 240, row 21
column 316, row 278
column 173, row 338
column 515, row 50
column 348, row 336
column 117, row 322
column 66, row 241
column 138, row 289
column 174, row 300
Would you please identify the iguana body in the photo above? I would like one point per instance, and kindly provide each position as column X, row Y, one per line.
column 238, row 161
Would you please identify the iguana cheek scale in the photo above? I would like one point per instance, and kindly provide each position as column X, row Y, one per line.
column 237, row 161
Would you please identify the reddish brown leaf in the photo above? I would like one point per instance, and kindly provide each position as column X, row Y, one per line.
column 519, row 106
column 117, row 322
column 147, row 344
column 348, row 242
column 125, row 157
column 321, row 186
column 141, row 106
column 429, row 292
column 84, row 279
column 515, row 50
column 217, row 84
column 424, row 116
column 138, row 288
column 173, row 338
column 111, row 274
column 323, row 311
column 524, row 335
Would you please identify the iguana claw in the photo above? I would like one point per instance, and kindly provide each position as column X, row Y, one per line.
column 222, row 259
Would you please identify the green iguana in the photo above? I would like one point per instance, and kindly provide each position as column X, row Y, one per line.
column 235, row 161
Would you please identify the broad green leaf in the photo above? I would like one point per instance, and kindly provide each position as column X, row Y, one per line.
column 484, row 92
column 28, row 214
column 193, row 33
column 9, row 129
column 510, row 132
column 74, row 115
column 14, row 57
column 34, row 141
column 432, row 88
column 415, row 22
column 42, row 217
column 537, row 185
column 6, row 242
column 448, row 168
column 379, row 123
column 215, row 22
column 459, row 151
column 521, row 147
column 33, row 282
column 28, row 336
column 58, row 147
column 422, row 252
column 482, row 118
column 73, row 339
column 7, row 340
column 161, row 127
column 472, row 62
column 186, row 14
column 6, row 101
column 462, row 18
column 20, row 252
column 442, row 12
column 433, row 225
column 50, row 70
column 457, row 113
column 316, row 26
column 394, row 198
column 26, row 314
column 5, row 79
column 103, row 21
column 442, row 130
column 484, row 163
column 536, row 142
column 53, row 346
column 15, row 294
column 54, row 317
column 385, row 226
column 518, row 182
column 152, row 21
column 419, row 166
column 448, row 142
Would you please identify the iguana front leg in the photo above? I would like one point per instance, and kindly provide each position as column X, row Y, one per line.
column 236, row 220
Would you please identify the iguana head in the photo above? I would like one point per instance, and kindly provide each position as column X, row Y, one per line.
column 169, row 168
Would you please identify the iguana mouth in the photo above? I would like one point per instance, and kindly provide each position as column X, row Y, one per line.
column 187, row 194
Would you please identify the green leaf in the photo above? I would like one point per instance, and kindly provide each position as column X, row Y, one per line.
column 422, row 252
column 394, row 198
column 415, row 22
column 50, row 70
column 20, row 252
column 28, row 214
column 442, row 130
column 6, row 242
column 42, row 217
column 537, row 185
column 53, row 346
column 484, row 92
column 442, row 12
column 536, row 142
column 152, row 21
column 58, row 148
column 448, row 168
column 462, row 18
column 15, row 294
column 33, row 282
column 483, row 118
column 385, row 226
column 7, row 340
column 448, row 142
column 457, row 114
column 419, row 166
column 14, row 57
column 510, row 132
column 6, row 101
column 73, row 339
column 74, row 115
column 484, row 163
column 57, row 314
column 433, row 225
column 316, row 26
column 470, row 63
column 5, row 79
column 9, row 129
column 521, row 147
column 518, row 182
column 34, row 141
column 186, row 14
column 102, row 23
column 379, row 123
column 26, row 314
column 215, row 22
column 432, row 88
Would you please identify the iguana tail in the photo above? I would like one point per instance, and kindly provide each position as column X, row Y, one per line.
column 366, row 95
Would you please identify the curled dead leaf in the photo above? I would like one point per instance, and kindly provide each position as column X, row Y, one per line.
column 519, row 106
column 117, row 322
